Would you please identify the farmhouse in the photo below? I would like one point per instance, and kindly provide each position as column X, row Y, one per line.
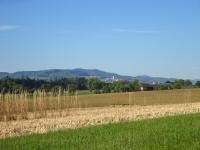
column 149, row 87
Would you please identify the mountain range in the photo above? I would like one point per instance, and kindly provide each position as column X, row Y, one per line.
column 53, row 74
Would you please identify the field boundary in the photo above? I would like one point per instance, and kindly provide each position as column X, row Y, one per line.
column 83, row 117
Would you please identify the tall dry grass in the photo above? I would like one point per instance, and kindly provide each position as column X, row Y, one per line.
column 19, row 106
column 41, row 104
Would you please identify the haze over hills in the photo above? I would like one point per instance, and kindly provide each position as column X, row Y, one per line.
column 53, row 74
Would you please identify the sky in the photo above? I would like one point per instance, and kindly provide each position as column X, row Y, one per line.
column 131, row 37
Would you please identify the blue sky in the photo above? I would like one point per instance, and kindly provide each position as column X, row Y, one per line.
column 132, row 37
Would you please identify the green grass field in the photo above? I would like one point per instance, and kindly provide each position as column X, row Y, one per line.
column 179, row 132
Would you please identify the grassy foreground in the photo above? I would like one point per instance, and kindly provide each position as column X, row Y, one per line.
column 179, row 132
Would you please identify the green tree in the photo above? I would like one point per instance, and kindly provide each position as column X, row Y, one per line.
column 106, row 88
column 135, row 86
column 95, row 85
column 197, row 84
column 164, row 87
column 81, row 83
column 120, row 86
column 188, row 83
column 178, row 84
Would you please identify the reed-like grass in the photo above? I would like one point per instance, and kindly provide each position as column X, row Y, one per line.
column 18, row 106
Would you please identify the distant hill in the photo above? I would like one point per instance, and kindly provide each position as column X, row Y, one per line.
column 148, row 79
column 53, row 74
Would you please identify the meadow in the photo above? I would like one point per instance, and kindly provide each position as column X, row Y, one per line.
column 177, row 132
column 15, row 107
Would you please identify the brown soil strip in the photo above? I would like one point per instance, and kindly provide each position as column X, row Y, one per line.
column 76, row 118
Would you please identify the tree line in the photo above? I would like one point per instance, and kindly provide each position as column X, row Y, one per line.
column 71, row 85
